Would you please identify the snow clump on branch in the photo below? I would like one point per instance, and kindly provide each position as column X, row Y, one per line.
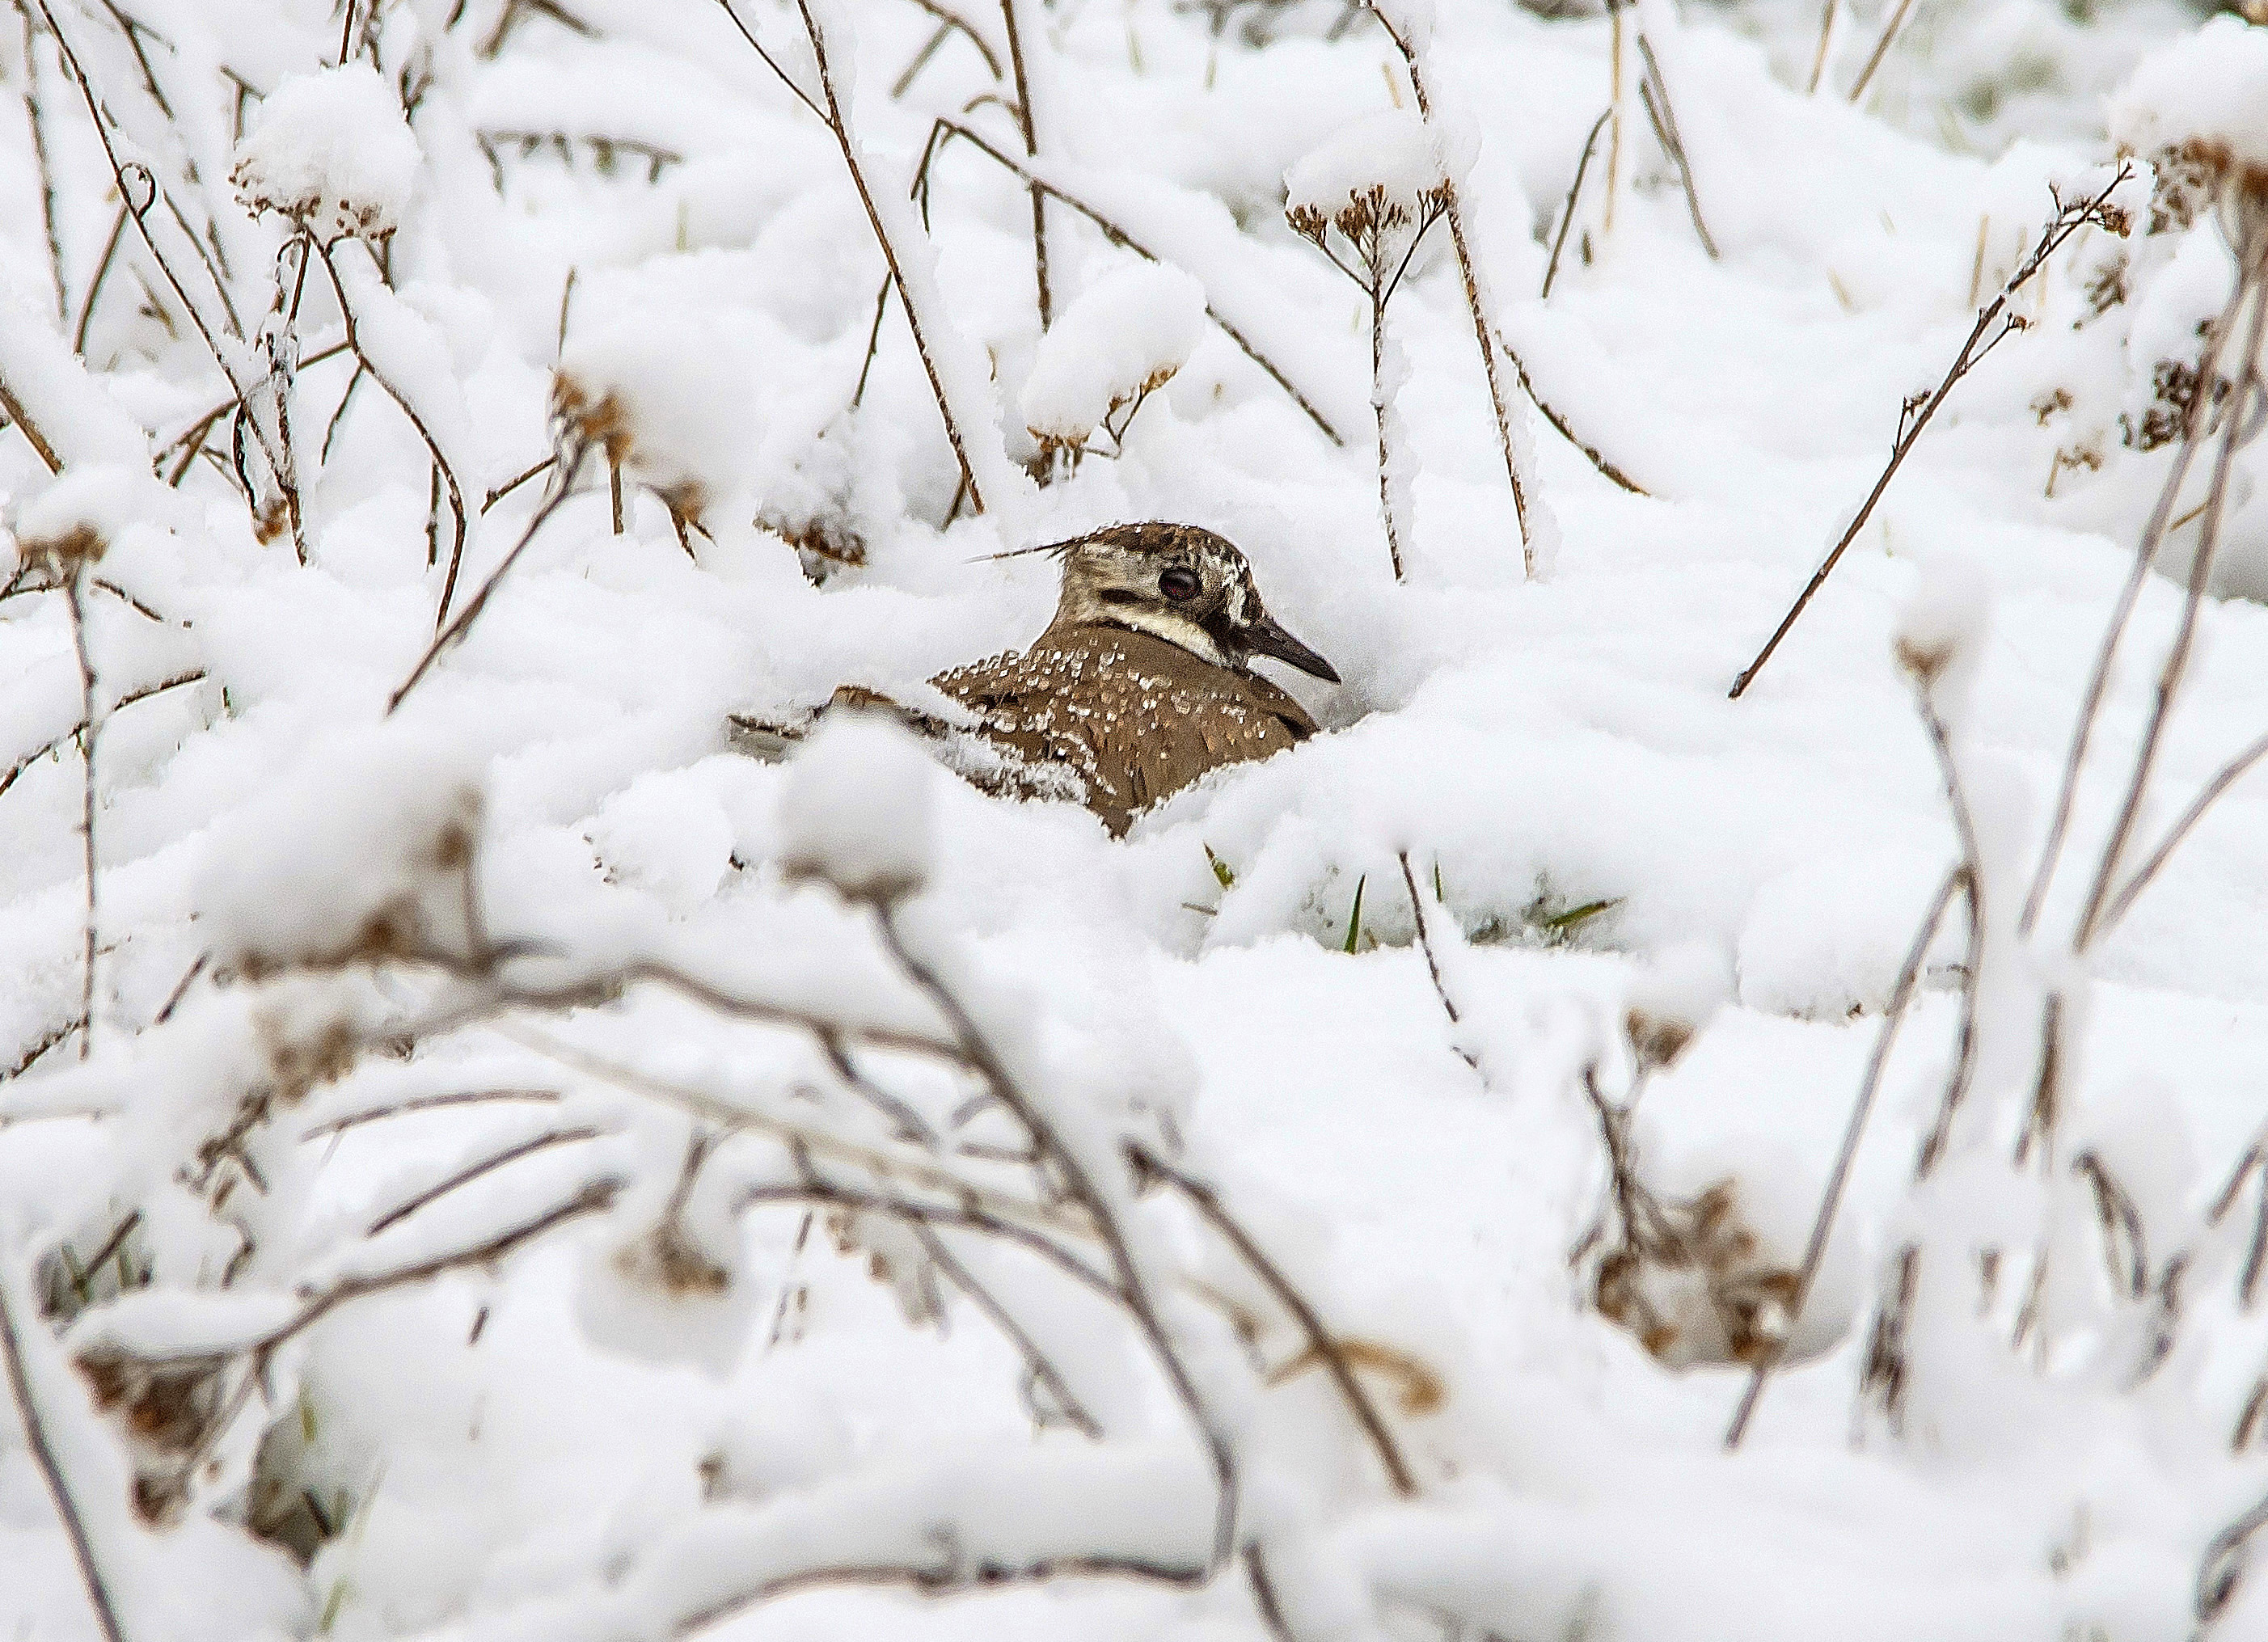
column 1390, row 166
column 1123, row 338
column 2202, row 103
column 333, row 152
column 856, row 808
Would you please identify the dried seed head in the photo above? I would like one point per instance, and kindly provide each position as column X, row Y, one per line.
column 1656, row 1041
column 64, row 556
column 599, row 419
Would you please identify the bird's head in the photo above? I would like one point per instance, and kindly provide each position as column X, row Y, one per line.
column 1184, row 584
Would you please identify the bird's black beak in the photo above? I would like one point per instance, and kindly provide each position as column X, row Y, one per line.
column 1264, row 637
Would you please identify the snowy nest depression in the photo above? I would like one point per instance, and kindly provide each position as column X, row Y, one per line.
column 1568, row 1152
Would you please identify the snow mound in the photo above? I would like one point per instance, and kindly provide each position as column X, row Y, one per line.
column 1127, row 334
column 332, row 152
column 857, row 809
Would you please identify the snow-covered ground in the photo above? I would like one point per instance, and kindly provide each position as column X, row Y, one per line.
column 706, row 1401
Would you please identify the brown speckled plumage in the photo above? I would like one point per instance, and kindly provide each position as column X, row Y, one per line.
column 1142, row 683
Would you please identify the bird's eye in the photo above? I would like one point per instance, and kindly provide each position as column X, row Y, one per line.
column 1179, row 585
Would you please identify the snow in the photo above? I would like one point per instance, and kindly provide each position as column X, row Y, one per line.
column 856, row 813
column 2209, row 87
column 525, row 973
column 1125, row 335
column 1395, row 151
column 331, row 149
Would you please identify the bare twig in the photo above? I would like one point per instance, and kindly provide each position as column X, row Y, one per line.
column 563, row 483
column 1574, row 193
column 1830, row 1200
column 34, row 117
column 2146, row 875
column 1327, row 1347
column 949, row 1576
column 1882, row 49
column 1606, row 469
column 2178, row 657
column 1031, row 147
column 1826, row 34
column 74, row 590
column 440, row 462
column 472, row 1172
column 1413, row 60
column 1982, row 339
column 426, row 1103
column 43, row 1455
column 1654, row 91
column 2146, row 554
column 1120, row 236
column 1079, row 1186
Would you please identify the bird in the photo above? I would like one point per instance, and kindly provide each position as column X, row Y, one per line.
column 1142, row 683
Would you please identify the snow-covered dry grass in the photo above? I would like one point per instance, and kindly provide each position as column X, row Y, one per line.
column 1576, row 1149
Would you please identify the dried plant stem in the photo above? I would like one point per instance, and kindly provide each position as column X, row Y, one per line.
column 36, row 118
column 564, row 477
column 76, row 73
column 1574, row 193
column 1327, row 1349
column 14, row 772
column 1483, row 331
column 1654, row 91
column 1882, row 49
column 2178, row 657
column 1830, row 1200
column 1046, row 1377
column 1425, row 945
column 2146, row 554
column 51, row 1472
column 1077, row 1185
column 12, row 408
column 948, row 1575
column 94, row 284
column 1826, row 35
column 1615, row 79
column 74, row 591
column 1982, row 339
column 1121, row 238
column 1032, row 148
column 440, row 462
column 1606, row 469
column 838, row 121
column 2147, row 874
column 477, row 1170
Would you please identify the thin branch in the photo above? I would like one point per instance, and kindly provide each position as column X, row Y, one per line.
column 1819, row 57
column 35, row 117
column 425, row 1103
column 1653, row 92
column 1326, row 1348
column 2178, row 657
column 9, row 778
column 1071, row 1174
column 1425, row 945
column 838, row 121
column 1045, row 1376
column 94, row 285
column 2146, row 554
column 1032, row 148
column 1119, row 237
column 1574, row 193
column 1882, row 49
column 12, row 408
column 43, row 1455
column 456, row 630
column 1815, row 1249
column 75, row 592
column 784, row 78
column 2146, row 875
column 472, row 1172
column 440, row 462
column 1413, row 61
column 954, row 21
column 1606, row 469
column 2067, row 221
column 950, row 1576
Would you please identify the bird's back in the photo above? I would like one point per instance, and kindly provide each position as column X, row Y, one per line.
column 1137, row 718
